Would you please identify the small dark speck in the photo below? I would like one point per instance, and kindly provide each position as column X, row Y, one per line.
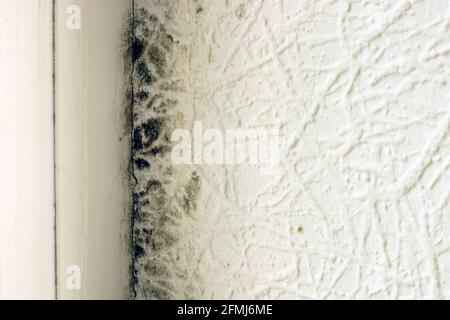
column 199, row 10
column 300, row 229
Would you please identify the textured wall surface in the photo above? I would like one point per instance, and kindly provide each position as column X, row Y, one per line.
column 360, row 205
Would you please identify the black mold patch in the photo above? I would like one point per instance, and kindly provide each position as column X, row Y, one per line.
column 141, row 96
column 141, row 164
column 137, row 49
column 146, row 134
column 143, row 73
column 163, row 194
column 138, row 251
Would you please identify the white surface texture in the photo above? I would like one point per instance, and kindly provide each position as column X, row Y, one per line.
column 360, row 92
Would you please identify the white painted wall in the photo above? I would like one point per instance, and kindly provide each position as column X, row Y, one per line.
column 360, row 92
column 26, row 151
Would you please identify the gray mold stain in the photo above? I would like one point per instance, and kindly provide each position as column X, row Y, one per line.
column 163, row 194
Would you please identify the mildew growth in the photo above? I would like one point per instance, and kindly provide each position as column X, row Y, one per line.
column 163, row 194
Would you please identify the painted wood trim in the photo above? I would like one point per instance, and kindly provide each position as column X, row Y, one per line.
column 26, row 151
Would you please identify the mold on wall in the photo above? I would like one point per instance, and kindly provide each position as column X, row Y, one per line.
column 359, row 206
column 163, row 195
